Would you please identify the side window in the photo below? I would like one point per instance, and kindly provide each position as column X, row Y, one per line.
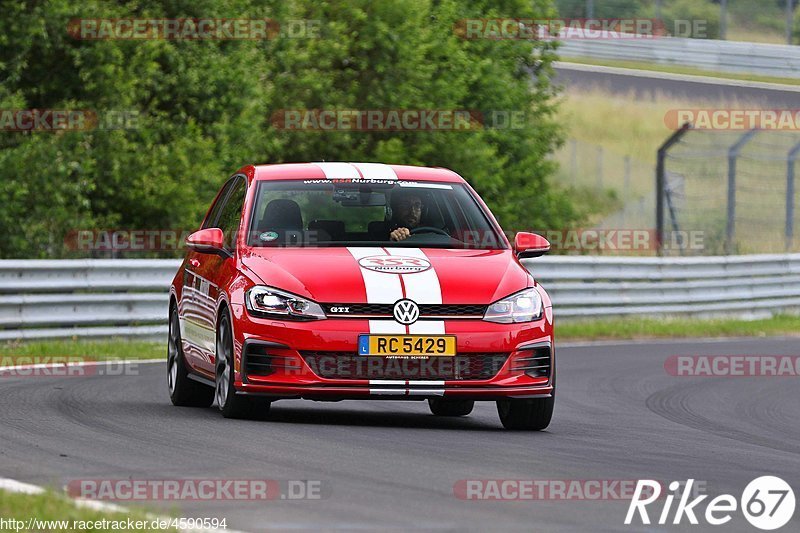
column 231, row 213
column 213, row 213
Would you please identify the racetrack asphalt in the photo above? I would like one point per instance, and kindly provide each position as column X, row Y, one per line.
column 392, row 466
column 647, row 85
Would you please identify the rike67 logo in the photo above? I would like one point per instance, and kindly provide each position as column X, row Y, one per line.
column 767, row 503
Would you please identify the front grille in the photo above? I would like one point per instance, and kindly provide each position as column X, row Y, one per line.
column 536, row 362
column 346, row 365
column 448, row 310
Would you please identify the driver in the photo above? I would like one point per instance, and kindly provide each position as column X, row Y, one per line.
column 407, row 209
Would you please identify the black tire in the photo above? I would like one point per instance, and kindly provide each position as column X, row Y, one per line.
column 528, row 414
column 183, row 391
column 442, row 407
column 230, row 404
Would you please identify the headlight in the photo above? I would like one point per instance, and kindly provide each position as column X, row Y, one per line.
column 524, row 306
column 275, row 303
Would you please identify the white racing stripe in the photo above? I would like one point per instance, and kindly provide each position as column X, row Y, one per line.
column 426, row 392
column 426, row 388
column 350, row 171
column 387, row 327
column 382, row 288
column 388, row 392
column 392, row 387
column 428, row 384
column 423, row 288
column 389, row 387
column 385, row 288
column 375, row 171
column 339, row 171
column 389, row 382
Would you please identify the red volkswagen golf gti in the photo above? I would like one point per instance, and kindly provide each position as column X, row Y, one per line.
column 333, row 281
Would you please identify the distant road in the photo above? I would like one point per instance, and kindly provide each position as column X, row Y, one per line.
column 644, row 84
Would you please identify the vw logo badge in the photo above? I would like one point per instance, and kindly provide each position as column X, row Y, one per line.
column 406, row 311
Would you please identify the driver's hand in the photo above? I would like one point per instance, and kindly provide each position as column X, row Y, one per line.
column 400, row 234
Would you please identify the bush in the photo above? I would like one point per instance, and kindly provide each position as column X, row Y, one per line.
column 796, row 27
column 204, row 109
column 691, row 11
column 603, row 8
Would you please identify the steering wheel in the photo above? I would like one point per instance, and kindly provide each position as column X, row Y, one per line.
column 429, row 229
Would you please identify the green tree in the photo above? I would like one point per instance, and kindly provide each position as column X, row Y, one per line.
column 203, row 108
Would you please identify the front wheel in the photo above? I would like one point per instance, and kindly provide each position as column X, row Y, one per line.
column 183, row 391
column 526, row 414
column 442, row 407
column 232, row 405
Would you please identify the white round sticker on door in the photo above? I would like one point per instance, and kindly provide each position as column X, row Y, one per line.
column 394, row 264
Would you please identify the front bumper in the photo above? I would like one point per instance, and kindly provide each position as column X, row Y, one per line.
column 272, row 360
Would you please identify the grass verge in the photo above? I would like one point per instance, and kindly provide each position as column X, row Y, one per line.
column 80, row 350
column 569, row 330
column 677, row 69
column 654, row 328
column 624, row 124
column 49, row 511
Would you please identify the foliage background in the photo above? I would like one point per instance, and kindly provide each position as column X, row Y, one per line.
column 205, row 105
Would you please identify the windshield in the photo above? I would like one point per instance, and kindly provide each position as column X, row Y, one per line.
column 369, row 213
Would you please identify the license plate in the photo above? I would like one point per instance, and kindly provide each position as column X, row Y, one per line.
column 407, row 345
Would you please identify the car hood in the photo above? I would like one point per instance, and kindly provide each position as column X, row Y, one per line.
column 385, row 275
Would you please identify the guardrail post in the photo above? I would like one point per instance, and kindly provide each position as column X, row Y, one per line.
column 733, row 154
column 794, row 153
column 661, row 181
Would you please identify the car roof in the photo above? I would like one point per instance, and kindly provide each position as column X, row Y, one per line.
column 341, row 170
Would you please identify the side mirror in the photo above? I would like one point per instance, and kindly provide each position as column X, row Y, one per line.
column 530, row 245
column 208, row 241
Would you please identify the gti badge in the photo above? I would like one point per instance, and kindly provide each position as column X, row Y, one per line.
column 406, row 311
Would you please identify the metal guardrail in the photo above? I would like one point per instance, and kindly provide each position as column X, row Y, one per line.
column 618, row 286
column 103, row 298
column 42, row 299
column 706, row 54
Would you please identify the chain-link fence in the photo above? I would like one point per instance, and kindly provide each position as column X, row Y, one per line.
column 623, row 183
column 735, row 188
column 723, row 192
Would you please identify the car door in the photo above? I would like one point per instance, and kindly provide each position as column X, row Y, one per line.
column 193, row 334
column 215, row 271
